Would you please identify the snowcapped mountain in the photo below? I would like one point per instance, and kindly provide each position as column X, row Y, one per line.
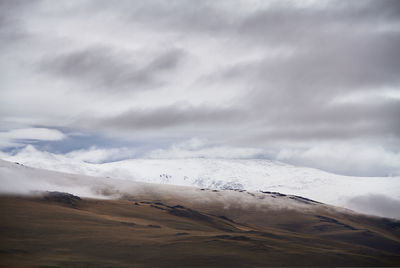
column 365, row 194
column 255, row 175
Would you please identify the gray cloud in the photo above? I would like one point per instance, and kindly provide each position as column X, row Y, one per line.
column 179, row 16
column 12, row 28
column 362, row 61
column 170, row 117
column 289, row 24
column 257, row 74
column 342, row 121
column 103, row 68
column 333, row 51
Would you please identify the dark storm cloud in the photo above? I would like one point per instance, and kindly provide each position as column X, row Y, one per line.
column 171, row 117
column 105, row 68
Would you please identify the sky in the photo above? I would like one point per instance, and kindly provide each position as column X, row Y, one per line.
column 310, row 83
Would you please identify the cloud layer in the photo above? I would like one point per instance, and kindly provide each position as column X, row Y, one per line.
column 290, row 79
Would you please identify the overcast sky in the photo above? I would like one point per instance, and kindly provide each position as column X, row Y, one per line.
column 312, row 83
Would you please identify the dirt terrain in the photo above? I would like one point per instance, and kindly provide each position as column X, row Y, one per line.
column 62, row 230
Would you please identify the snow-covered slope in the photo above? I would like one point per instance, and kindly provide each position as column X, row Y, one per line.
column 17, row 178
column 367, row 194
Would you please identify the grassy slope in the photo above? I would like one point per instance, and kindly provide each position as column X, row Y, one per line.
column 36, row 232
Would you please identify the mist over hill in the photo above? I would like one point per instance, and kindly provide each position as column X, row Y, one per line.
column 373, row 195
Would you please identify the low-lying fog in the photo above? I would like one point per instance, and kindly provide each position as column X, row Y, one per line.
column 19, row 179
